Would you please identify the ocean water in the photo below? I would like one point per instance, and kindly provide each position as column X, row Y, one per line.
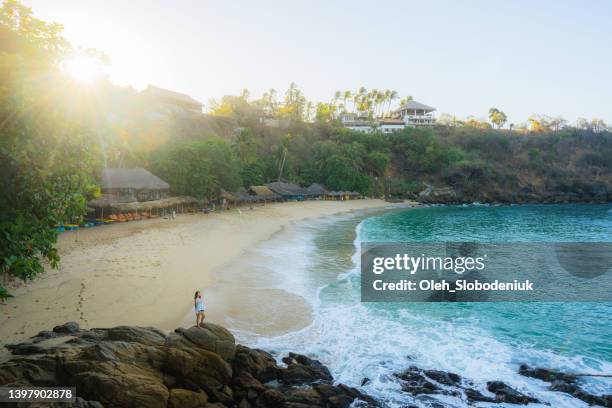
column 319, row 260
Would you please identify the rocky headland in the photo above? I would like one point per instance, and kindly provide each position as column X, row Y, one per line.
column 129, row 366
column 144, row 367
column 578, row 192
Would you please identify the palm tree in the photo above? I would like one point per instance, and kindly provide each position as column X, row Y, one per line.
column 245, row 147
column 272, row 104
column 386, row 99
column 292, row 94
column 346, row 96
column 378, row 99
column 245, row 94
column 358, row 99
column 371, row 97
column 393, row 95
column 337, row 96
column 405, row 100
column 497, row 117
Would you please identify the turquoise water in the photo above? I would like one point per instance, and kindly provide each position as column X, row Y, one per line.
column 480, row 341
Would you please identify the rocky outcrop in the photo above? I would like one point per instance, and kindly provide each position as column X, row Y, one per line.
column 432, row 195
column 489, row 192
column 425, row 384
column 567, row 383
column 204, row 367
column 435, row 382
column 196, row 367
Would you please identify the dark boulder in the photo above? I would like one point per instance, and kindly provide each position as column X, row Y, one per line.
column 198, row 367
column 271, row 398
column 211, row 337
column 476, row 396
column 577, row 392
column 566, row 383
column 505, row 393
column 143, row 335
column 341, row 396
column 545, row 374
column 415, row 382
column 444, row 377
column 67, row 328
column 181, row 398
column 303, row 370
column 258, row 363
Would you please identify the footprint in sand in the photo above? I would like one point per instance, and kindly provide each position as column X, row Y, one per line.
column 80, row 302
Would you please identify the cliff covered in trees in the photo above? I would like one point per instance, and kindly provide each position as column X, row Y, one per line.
column 486, row 165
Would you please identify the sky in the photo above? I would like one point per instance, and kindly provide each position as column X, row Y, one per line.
column 462, row 57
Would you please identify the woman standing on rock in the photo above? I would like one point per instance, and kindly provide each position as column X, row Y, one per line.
column 199, row 308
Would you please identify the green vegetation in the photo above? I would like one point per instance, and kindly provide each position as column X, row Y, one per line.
column 56, row 134
column 47, row 160
column 199, row 168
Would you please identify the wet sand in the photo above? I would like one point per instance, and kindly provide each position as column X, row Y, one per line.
column 145, row 273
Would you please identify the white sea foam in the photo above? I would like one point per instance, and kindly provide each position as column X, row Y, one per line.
column 358, row 340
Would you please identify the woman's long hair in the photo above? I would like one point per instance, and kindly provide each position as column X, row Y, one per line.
column 195, row 297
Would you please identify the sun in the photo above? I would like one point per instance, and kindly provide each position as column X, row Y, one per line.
column 84, row 68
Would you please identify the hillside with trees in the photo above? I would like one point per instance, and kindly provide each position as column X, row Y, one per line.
column 545, row 161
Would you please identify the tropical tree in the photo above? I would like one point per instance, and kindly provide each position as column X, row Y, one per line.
column 360, row 100
column 557, row 123
column 48, row 151
column 539, row 123
column 497, row 117
column 393, row 95
column 337, row 97
column 245, row 94
column 244, row 146
column 598, row 125
column 405, row 100
column 295, row 103
column 199, row 168
column 325, row 112
column 473, row 122
column 282, row 153
column 347, row 95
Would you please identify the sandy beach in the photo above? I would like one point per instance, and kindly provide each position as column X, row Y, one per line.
column 145, row 273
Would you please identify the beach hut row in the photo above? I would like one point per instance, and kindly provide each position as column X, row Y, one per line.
column 107, row 207
column 281, row 191
column 343, row 195
column 254, row 194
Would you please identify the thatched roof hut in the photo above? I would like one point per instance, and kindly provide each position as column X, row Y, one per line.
column 262, row 194
column 229, row 196
column 136, row 178
column 316, row 189
column 107, row 202
column 261, row 191
column 287, row 190
column 136, row 184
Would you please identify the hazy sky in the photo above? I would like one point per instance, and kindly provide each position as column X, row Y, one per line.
column 462, row 57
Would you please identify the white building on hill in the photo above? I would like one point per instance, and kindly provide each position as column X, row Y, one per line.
column 390, row 125
column 412, row 113
column 416, row 113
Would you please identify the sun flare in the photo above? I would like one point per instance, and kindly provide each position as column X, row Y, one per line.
column 84, row 68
